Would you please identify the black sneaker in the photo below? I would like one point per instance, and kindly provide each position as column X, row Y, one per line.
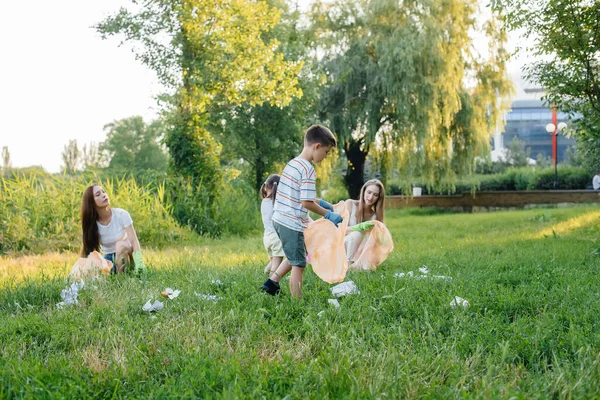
column 271, row 287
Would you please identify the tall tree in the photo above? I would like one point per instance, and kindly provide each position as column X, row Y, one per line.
column 6, row 163
column 213, row 55
column 133, row 146
column 71, row 157
column 566, row 44
column 396, row 75
column 92, row 156
column 264, row 134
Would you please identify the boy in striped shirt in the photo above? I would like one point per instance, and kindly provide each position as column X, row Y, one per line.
column 296, row 196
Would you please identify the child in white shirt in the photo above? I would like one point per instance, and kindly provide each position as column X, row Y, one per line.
column 268, row 190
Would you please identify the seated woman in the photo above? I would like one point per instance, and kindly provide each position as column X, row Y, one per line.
column 370, row 207
column 109, row 230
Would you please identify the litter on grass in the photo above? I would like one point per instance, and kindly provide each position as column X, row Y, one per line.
column 153, row 307
column 334, row 302
column 69, row 295
column 425, row 275
column 207, row 296
column 345, row 288
column 459, row 301
column 170, row 293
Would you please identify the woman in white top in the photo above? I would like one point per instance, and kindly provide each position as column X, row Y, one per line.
column 369, row 207
column 109, row 230
column 272, row 243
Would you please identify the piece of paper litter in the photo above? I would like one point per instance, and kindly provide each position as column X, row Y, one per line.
column 170, row 293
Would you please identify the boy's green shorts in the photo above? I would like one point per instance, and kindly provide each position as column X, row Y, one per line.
column 293, row 245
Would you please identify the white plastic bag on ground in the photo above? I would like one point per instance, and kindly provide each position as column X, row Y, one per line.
column 69, row 295
column 152, row 307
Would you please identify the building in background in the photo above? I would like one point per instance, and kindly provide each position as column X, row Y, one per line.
column 527, row 121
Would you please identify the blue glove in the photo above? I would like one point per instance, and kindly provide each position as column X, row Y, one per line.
column 333, row 217
column 325, row 205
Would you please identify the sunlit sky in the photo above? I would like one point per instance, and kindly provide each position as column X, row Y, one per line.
column 59, row 80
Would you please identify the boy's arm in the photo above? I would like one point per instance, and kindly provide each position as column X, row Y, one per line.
column 311, row 205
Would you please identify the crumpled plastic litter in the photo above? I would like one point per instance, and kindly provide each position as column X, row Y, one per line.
column 92, row 266
column 69, row 295
column 459, row 301
column 345, row 288
column 325, row 244
column 375, row 247
column 424, row 271
column 334, row 302
column 153, row 307
column 207, row 296
column 170, row 293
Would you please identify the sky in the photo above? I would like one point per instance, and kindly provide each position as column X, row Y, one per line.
column 60, row 81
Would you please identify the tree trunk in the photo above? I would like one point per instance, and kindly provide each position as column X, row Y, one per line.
column 355, row 172
column 259, row 170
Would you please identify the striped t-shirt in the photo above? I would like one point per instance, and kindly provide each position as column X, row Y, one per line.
column 297, row 183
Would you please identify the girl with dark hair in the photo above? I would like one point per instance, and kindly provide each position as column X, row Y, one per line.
column 272, row 243
column 368, row 208
column 109, row 230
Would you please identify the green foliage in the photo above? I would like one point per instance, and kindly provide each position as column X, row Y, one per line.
column 566, row 43
column 40, row 212
column 545, row 162
column 517, row 154
column 262, row 136
column 528, row 332
column 133, row 146
column 574, row 157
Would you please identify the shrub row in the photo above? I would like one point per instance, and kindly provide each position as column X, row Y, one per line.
column 526, row 178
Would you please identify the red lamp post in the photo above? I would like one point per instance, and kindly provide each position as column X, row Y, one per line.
column 554, row 129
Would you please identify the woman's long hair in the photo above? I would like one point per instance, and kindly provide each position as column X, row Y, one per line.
column 271, row 184
column 89, row 227
column 377, row 208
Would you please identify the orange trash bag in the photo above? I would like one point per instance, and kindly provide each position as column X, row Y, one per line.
column 92, row 266
column 325, row 245
column 376, row 245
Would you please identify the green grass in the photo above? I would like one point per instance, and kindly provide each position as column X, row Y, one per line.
column 531, row 330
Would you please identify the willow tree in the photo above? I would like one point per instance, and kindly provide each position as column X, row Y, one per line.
column 212, row 55
column 404, row 75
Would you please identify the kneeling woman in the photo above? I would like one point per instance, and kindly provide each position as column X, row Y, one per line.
column 369, row 207
column 109, row 230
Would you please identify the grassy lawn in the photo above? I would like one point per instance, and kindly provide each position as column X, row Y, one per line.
column 532, row 328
